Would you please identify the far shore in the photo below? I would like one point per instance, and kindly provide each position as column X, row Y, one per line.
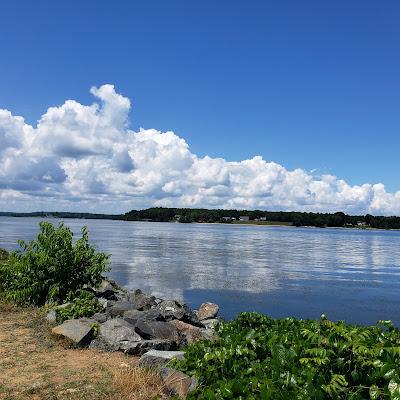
column 272, row 224
column 287, row 225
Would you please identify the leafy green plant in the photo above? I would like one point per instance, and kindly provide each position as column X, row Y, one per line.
column 81, row 304
column 4, row 255
column 257, row 357
column 50, row 267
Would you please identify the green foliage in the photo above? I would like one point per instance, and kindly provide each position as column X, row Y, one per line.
column 337, row 219
column 257, row 357
column 81, row 304
column 50, row 267
column 4, row 255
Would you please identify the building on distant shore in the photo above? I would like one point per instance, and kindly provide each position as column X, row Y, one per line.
column 244, row 218
column 228, row 219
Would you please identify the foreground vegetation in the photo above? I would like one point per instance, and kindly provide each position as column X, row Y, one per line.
column 257, row 357
column 51, row 268
column 188, row 215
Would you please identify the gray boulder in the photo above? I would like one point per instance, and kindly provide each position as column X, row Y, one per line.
column 171, row 309
column 157, row 358
column 177, row 383
column 79, row 331
column 192, row 333
column 144, row 346
column 106, row 290
column 115, row 334
column 100, row 317
column 117, row 308
column 133, row 316
column 142, row 301
column 208, row 311
column 156, row 330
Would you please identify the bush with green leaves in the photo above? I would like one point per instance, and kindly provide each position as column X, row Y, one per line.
column 257, row 357
column 51, row 267
column 80, row 304
column 4, row 255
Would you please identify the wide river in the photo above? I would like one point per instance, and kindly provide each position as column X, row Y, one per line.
column 281, row 271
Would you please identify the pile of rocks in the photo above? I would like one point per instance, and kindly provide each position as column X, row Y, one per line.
column 139, row 324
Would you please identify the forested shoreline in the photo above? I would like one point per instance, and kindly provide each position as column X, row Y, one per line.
column 188, row 215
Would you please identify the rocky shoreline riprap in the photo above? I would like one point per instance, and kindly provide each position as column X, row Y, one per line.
column 143, row 325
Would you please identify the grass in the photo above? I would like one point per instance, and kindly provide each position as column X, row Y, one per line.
column 33, row 366
column 143, row 383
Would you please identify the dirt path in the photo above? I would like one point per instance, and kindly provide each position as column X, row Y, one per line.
column 34, row 366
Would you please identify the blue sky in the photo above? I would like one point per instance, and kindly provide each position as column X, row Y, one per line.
column 312, row 85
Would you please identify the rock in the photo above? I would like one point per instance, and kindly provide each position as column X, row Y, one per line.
column 79, row 331
column 153, row 314
column 106, row 290
column 210, row 323
column 171, row 309
column 208, row 311
column 143, row 346
column 156, row 330
column 100, row 317
column 133, row 316
column 178, row 383
column 51, row 316
column 117, row 308
column 135, row 295
column 102, row 302
column 158, row 358
column 142, row 301
column 115, row 334
column 122, row 296
column 190, row 332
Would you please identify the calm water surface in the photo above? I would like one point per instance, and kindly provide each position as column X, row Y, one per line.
column 347, row 274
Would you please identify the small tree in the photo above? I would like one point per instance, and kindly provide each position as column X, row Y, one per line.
column 51, row 267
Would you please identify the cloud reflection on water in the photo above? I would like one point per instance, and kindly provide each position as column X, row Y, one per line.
column 291, row 266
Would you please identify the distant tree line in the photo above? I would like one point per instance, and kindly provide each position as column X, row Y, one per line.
column 58, row 214
column 187, row 215
column 338, row 219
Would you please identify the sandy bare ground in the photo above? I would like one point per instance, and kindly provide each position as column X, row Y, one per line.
column 35, row 366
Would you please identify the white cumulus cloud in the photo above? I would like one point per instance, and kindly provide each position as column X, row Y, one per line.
column 85, row 157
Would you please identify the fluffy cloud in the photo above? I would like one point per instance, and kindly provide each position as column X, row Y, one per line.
column 81, row 157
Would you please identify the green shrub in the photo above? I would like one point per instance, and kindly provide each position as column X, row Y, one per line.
column 82, row 304
column 257, row 357
column 52, row 266
column 3, row 255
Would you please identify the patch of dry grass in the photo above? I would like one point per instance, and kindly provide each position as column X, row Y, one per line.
column 135, row 383
column 33, row 366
